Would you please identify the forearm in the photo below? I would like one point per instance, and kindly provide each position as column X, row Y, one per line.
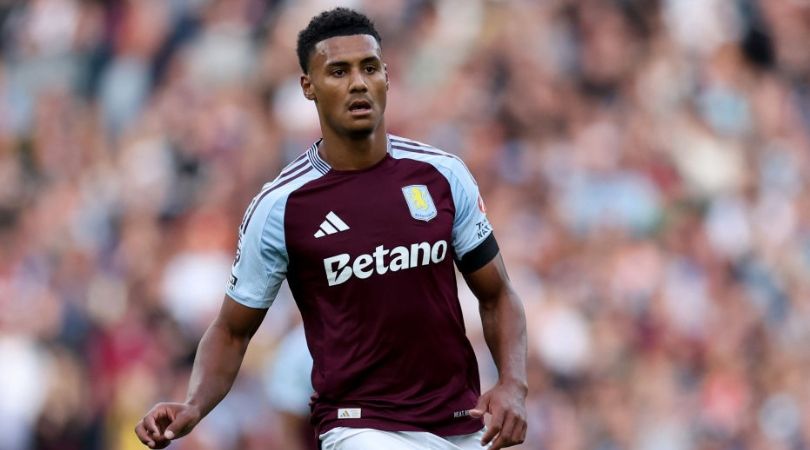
column 219, row 356
column 504, row 325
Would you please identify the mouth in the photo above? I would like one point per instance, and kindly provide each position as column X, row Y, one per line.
column 360, row 107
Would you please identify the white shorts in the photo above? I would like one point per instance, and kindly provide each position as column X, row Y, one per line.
column 342, row 438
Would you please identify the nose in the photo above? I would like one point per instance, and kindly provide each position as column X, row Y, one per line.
column 357, row 82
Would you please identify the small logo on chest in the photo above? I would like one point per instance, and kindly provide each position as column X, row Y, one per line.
column 333, row 224
column 419, row 201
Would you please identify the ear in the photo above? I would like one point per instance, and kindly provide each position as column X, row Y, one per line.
column 306, row 87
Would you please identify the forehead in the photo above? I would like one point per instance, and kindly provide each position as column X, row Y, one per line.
column 345, row 49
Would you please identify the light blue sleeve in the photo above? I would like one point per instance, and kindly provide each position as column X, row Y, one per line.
column 470, row 226
column 261, row 259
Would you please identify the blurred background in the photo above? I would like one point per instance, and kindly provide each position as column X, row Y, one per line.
column 645, row 165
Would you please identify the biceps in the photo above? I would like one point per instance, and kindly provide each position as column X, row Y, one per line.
column 490, row 282
column 239, row 320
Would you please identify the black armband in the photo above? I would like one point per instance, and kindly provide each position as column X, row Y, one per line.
column 479, row 256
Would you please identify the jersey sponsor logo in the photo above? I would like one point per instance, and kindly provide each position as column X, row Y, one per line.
column 340, row 268
column 333, row 224
column 420, row 203
column 463, row 413
column 349, row 413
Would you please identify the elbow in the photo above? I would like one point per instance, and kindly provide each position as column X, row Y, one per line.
column 229, row 335
column 502, row 298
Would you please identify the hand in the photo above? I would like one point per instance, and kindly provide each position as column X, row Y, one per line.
column 166, row 422
column 506, row 404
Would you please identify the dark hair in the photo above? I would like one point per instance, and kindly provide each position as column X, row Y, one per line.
column 328, row 24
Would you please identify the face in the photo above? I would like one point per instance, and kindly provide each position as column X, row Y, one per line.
column 348, row 82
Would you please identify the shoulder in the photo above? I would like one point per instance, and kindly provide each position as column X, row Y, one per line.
column 408, row 148
column 449, row 164
column 273, row 195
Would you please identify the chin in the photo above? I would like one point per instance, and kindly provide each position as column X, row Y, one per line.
column 360, row 132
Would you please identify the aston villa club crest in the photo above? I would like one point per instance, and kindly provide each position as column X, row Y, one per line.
column 420, row 203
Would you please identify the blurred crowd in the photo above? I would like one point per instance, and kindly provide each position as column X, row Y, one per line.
column 645, row 165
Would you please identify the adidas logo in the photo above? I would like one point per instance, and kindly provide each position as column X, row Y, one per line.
column 331, row 225
column 349, row 413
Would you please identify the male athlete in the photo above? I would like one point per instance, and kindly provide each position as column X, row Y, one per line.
column 366, row 227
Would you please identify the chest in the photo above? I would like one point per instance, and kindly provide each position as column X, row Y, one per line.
column 397, row 204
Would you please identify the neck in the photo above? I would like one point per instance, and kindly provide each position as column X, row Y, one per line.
column 344, row 152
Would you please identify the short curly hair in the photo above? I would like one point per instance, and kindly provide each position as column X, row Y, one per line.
column 328, row 24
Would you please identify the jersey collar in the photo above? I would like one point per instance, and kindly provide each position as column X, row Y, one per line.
column 322, row 166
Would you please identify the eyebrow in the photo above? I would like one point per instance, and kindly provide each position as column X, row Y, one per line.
column 343, row 63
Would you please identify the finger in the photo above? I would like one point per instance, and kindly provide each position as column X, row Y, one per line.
column 151, row 425
column 481, row 407
column 499, row 443
column 162, row 418
column 508, row 430
column 178, row 426
column 505, row 438
column 143, row 435
column 162, row 442
column 494, row 427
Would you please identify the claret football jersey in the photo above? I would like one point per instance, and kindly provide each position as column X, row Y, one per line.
column 369, row 256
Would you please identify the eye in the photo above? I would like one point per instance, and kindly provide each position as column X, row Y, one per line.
column 338, row 72
column 370, row 69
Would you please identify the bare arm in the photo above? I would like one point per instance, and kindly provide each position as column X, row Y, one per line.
column 220, row 354
column 218, row 359
column 504, row 324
